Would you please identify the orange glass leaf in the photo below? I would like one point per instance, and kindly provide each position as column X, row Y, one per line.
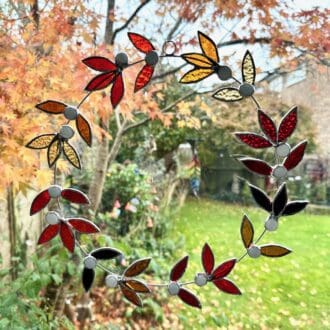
column 51, row 106
column 143, row 77
column 195, row 75
column 197, row 59
column 227, row 95
column 84, row 129
column 131, row 296
column 137, row 286
column 271, row 250
column 247, row 231
column 71, row 155
column 137, row 267
column 208, row 47
column 41, row 141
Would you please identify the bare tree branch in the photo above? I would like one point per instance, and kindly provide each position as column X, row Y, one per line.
column 129, row 20
column 174, row 28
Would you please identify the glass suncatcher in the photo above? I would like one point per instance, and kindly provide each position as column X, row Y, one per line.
column 205, row 63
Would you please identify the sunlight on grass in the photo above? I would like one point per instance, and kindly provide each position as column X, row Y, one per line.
column 284, row 293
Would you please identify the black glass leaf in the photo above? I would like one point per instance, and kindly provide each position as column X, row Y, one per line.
column 261, row 198
column 280, row 200
column 88, row 278
column 106, row 253
column 294, row 207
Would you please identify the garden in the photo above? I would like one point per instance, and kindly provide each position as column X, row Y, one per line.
column 161, row 167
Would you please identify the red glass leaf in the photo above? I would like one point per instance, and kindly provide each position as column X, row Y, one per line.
column 227, row 286
column 143, row 77
column 224, row 269
column 179, row 269
column 141, row 43
column 207, row 259
column 117, row 90
column 295, row 156
column 288, row 124
column 137, row 267
column 83, row 226
column 39, row 202
column 189, row 298
column 67, row 237
column 256, row 165
column 253, row 140
column 267, row 126
column 48, row 233
column 75, row 196
column 88, row 278
column 101, row 81
column 99, row 63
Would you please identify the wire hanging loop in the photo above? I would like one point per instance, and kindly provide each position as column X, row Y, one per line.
column 169, row 48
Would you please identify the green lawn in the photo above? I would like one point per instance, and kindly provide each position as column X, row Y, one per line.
column 281, row 293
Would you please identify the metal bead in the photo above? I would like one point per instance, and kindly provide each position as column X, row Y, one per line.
column 111, row 281
column 121, row 60
column 254, row 251
column 90, row 262
column 52, row 218
column 55, row 191
column 246, row 89
column 201, row 279
column 66, row 132
column 282, row 150
column 279, row 172
column 152, row 58
column 173, row 288
column 224, row 72
column 70, row 113
column 271, row 224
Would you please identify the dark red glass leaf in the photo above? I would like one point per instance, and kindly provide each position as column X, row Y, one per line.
column 140, row 42
column 48, row 233
column 189, row 298
column 101, row 81
column 83, row 226
column 267, row 125
column 261, row 198
column 207, row 259
column 117, row 90
column 253, row 140
column 143, row 77
column 39, row 202
column 179, row 269
column 227, row 286
column 294, row 207
column 295, row 156
column 256, row 165
column 88, row 278
column 105, row 253
column 288, row 124
column 136, row 286
column 224, row 269
column 280, row 200
column 67, row 237
column 75, row 196
column 137, row 267
column 99, row 63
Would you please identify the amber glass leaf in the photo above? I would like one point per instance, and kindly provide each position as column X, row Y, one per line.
column 71, row 154
column 195, row 75
column 274, row 251
column 247, row 231
column 84, row 129
column 227, row 94
column 131, row 296
column 137, row 267
column 208, row 47
column 137, row 286
column 197, row 59
column 41, row 141
column 248, row 69
column 51, row 106
column 54, row 151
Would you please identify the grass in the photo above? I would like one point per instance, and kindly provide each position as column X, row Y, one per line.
column 292, row 292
